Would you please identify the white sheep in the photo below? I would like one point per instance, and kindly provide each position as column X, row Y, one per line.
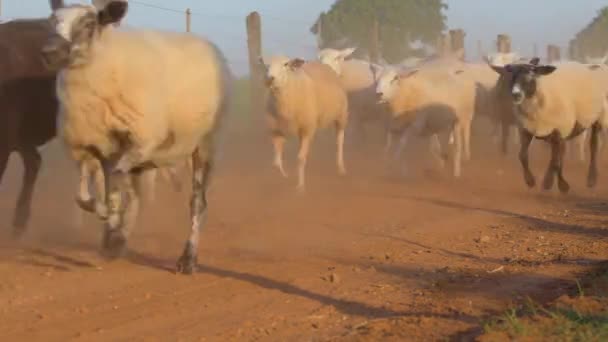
column 130, row 119
column 358, row 77
column 304, row 97
column 478, row 76
column 556, row 103
column 428, row 103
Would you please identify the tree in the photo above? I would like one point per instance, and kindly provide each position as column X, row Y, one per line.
column 592, row 41
column 400, row 23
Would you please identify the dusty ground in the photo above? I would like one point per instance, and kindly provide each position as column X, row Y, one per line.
column 358, row 258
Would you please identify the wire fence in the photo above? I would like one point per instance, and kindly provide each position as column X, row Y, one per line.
column 283, row 35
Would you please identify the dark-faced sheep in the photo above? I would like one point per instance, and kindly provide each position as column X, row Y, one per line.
column 28, row 106
column 112, row 108
column 556, row 103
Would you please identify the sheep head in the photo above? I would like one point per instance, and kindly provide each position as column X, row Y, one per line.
column 76, row 29
column 523, row 82
column 389, row 83
column 279, row 70
column 334, row 58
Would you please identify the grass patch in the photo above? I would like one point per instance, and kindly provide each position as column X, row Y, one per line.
column 583, row 316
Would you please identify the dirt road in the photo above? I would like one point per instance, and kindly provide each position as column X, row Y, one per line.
column 357, row 258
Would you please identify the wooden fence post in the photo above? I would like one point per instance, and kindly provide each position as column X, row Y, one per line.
column 254, row 44
column 457, row 41
column 188, row 18
column 503, row 43
column 553, row 53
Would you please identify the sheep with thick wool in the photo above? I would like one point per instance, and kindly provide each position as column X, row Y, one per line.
column 358, row 77
column 500, row 101
column 304, row 96
column 477, row 76
column 428, row 103
column 556, row 103
column 114, row 109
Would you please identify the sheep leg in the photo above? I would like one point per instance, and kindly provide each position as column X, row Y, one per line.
column 305, row 141
column 581, row 146
column 525, row 140
column 117, row 198
column 562, row 184
column 458, row 149
column 506, row 131
column 466, row 140
column 90, row 169
column 397, row 156
column 31, row 161
column 278, row 142
column 558, row 149
column 171, row 174
column 201, row 172
column 4, row 154
column 388, row 144
column 593, row 147
column 436, row 150
column 340, row 149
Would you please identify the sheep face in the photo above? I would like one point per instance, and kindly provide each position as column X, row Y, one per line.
column 76, row 28
column 391, row 82
column 279, row 70
column 334, row 58
column 388, row 84
column 524, row 79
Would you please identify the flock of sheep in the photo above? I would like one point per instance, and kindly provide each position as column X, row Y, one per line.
column 121, row 122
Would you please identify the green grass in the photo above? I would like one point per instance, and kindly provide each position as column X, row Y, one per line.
column 557, row 322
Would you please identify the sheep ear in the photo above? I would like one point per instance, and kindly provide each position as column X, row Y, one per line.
column 544, row 70
column 535, row 61
column 113, row 12
column 347, row 52
column 498, row 69
column 296, row 63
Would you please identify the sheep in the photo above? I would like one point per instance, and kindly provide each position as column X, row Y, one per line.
column 28, row 105
column 500, row 100
column 427, row 103
column 303, row 96
column 477, row 76
column 358, row 77
column 113, row 109
column 556, row 103
column 578, row 143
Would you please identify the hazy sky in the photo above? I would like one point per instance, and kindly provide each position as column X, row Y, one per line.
column 285, row 23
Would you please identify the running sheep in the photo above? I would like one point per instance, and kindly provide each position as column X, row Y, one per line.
column 114, row 110
column 304, row 96
column 28, row 106
column 358, row 77
column 427, row 103
column 556, row 103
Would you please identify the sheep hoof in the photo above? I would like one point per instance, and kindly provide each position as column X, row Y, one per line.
column 548, row 182
column 186, row 264
column 114, row 244
column 592, row 179
column 564, row 187
column 530, row 181
column 301, row 189
column 86, row 205
column 21, row 218
column 341, row 171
